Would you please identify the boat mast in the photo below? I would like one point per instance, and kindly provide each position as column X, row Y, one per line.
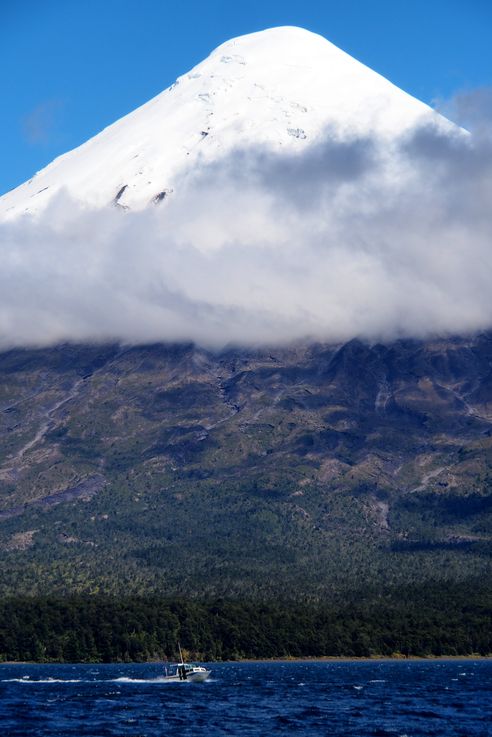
column 181, row 667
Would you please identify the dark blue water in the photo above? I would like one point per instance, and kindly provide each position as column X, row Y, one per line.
column 368, row 699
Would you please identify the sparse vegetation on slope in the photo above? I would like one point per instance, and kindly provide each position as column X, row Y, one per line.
column 288, row 472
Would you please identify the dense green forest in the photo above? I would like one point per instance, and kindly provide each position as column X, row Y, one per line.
column 432, row 620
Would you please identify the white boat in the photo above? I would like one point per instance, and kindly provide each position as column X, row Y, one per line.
column 186, row 672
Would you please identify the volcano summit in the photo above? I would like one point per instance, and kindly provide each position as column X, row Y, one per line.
column 282, row 89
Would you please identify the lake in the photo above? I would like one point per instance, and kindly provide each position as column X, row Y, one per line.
column 375, row 698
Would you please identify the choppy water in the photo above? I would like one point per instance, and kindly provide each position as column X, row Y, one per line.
column 366, row 699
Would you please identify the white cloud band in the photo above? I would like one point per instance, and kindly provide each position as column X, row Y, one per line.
column 347, row 240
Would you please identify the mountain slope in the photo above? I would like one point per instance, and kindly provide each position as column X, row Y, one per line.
column 281, row 88
column 296, row 471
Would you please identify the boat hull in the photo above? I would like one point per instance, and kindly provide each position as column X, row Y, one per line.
column 194, row 677
column 198, row 677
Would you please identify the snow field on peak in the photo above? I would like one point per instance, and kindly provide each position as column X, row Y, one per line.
column 280, row 89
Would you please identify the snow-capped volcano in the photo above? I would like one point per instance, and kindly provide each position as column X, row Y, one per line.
column 280, row 88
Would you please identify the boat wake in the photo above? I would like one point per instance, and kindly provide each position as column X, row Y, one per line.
column 158, row 679
column 34, row 681
column 27, row 679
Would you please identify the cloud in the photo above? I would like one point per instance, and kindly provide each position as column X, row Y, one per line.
column 471, row 109
column 40, row 123
column 350, row 239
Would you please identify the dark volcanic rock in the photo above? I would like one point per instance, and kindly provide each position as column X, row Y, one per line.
column 84, row 490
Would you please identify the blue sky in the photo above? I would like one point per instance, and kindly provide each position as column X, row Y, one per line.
column 71, row 67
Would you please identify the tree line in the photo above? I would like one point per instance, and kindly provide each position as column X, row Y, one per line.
column 437, row 619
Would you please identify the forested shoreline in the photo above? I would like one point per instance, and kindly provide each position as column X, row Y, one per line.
column 438, row 620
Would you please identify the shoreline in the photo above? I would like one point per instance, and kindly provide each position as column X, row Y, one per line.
column 313, row 659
